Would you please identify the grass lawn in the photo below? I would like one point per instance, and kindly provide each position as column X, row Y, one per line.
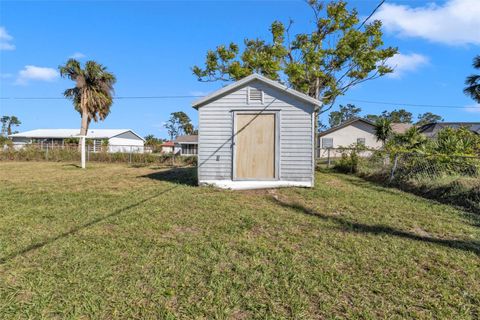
column 114, row 242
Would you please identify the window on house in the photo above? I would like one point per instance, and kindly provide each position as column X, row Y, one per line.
column 189, row 149
column 327, row 143
column 361, row 141
column 255, row 95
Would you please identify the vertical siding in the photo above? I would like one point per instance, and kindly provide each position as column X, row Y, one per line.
column 295, row 140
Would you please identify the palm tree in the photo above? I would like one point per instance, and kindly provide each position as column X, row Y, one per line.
column 473, row 82
column 7, row 123
column 92, row 95
column 14, row 121
column 412, row 139
column 383, row 129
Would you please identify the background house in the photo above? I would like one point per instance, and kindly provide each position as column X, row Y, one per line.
column 354, row 131
column 401, row 127
column 119, row 140
column 186, row 145
column 256, row 133
column 431, row 129
column 167, row 147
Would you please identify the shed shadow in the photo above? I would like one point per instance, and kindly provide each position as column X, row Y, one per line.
column 181, row 176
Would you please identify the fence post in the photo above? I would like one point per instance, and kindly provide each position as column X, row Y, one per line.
column 46, row 152
column 392, row 173
column 130, row 156
column 82, row 150
column 328, row 158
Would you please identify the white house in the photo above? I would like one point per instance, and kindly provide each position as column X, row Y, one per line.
column 348, row 133
column 256, row 133
column 119, row 140
column 354, row 131
column 168, row 147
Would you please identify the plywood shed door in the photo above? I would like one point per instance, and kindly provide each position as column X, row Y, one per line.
column 255, row 147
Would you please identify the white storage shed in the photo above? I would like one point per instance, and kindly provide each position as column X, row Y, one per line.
column 256, row 133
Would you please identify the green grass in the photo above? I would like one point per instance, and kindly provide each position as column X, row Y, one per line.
column 114, row 242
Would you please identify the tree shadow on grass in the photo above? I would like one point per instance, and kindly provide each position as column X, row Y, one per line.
column 355, row 227
column 76, row 229
column 181, row 176
column 472, row 214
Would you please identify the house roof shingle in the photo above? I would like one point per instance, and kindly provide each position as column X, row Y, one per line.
column 343, row 125
column 187, row 139
column 431, row 129
column 168, row 144
column 401, row 127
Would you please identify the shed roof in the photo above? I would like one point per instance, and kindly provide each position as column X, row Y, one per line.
column 72, row 133
column 275, row 84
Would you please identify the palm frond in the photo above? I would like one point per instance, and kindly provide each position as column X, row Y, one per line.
column 71, row 69
column 476, row 62
column 473, row 87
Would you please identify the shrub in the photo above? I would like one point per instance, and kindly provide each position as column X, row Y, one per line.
column 35, row 152
column 460, row 141
column 190, row 160
column 349, row 160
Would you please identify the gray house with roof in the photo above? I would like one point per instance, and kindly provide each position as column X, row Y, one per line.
column 431, row 129
column 186, row 145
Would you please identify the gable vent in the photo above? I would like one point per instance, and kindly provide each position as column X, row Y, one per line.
column 255, row 95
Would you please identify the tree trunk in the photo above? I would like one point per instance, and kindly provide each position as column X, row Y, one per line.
column 84, row 124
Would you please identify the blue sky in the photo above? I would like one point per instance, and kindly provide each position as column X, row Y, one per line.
column 151, row 46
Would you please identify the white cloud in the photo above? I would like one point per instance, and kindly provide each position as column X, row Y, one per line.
column 473, row 108
column 456, row 22
column 5, row 40
column 77, row 55
column 403, row 63
column 29, row 73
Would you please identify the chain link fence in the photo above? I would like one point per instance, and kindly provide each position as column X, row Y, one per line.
column 401, row 165
column 449, row 178
column 134, row 155
column 414, row 166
